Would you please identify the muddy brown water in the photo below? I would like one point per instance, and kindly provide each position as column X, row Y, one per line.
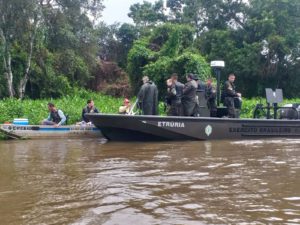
column 90, row 181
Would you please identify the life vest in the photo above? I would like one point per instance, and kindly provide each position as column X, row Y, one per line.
column 90, row 110
column 55, row 117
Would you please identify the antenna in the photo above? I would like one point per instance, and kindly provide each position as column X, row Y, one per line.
column 217, row 66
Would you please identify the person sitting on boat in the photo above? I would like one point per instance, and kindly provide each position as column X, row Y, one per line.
column 148, row 97
column 56, row 117
column 189, row 101
column 210, row 96
column 90, row 108
column 229, row 94
column 125, row 108
column 174, row 95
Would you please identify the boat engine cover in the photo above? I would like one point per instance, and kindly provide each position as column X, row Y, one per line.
column 291, row 112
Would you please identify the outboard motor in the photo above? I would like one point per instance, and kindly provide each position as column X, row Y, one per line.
column 290, row 112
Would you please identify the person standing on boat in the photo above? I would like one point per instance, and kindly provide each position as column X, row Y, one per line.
column 229, row 95
column 189, row 101
column 56, row 117
column 210, row 96
column 174, row 96
column 148, row 97
column 90, row 108
column 200, row 96
column 200, row 84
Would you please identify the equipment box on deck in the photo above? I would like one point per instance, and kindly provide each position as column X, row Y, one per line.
column 20, row 121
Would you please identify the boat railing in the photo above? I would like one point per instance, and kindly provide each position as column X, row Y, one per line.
column 273, row 99
column 265, row 111
column 134, row 109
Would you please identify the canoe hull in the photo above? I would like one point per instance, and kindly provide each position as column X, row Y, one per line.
column 156, row 128
column 41, row 131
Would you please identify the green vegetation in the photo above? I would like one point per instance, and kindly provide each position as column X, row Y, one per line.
column 169, row 49
column 258, row 40
column 2, row 136
column 47, row 48
column 36, row 110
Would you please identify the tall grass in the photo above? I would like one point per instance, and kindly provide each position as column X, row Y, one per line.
column 36, row 110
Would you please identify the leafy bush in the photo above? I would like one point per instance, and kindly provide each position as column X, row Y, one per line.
column 72, row 104
column 169, row 49
column 36, row 110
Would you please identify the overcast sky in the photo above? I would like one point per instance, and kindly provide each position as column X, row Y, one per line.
column 117, row 10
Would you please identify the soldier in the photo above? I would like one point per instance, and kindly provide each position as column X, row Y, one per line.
column 174, row 95
column 200, row 84
column 229, row 95
column 148, row 97
column 210, row 96
column 189, row 101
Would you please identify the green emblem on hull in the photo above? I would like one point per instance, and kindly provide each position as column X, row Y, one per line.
column 208, row 130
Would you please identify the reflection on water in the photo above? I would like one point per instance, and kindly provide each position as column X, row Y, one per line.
column 86, row 182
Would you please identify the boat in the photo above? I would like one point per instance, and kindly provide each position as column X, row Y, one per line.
column 166, row 128
column 42, row 131
column 285, row 123
column 276, row 122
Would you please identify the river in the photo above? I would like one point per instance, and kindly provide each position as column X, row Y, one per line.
column 90, row 181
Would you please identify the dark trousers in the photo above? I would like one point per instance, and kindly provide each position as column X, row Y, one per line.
column 175, row 109
column 229, row 103
column 211, row 104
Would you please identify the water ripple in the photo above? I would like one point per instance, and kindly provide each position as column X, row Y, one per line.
column 89, row 182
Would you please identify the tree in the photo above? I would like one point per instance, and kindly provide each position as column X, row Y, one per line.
column 277, row 23
column 147, row 14
column 206, row 15
column 260, row 46
column 126, row 35
column 115, row 41
column 18, row 25
column 176, row 7
column 169, row 49
column 62, row 28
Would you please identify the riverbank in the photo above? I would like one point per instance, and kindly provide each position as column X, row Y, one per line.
column 36, row 110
